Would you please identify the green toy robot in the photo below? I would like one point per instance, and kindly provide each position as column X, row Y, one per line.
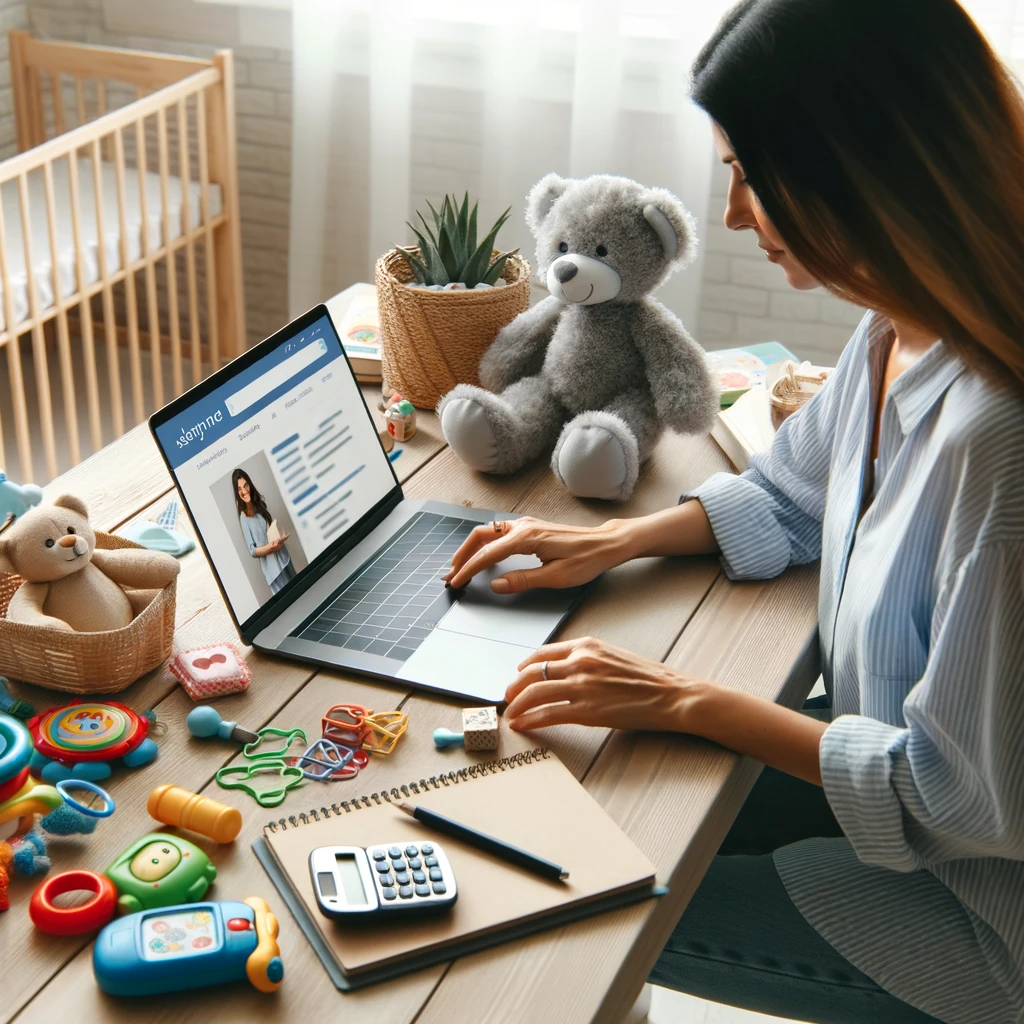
column 160, row 870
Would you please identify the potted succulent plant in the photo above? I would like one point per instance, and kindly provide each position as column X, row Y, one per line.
column 444, row 300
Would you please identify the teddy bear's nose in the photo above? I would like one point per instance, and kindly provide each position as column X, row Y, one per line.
column 566, row 271
column 67, row 541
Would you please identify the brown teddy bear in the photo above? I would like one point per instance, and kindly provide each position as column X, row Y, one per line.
column 69, row 584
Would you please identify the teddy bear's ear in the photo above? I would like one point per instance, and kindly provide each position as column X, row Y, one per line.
column 69, row 501
column 542, row 197
column 673, row 225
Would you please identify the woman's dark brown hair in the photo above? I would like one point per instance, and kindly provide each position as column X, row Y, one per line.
column 885, row 141
column 259, row 506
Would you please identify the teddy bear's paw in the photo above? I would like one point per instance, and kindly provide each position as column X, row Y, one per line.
column 471, row 421
column 597, row 456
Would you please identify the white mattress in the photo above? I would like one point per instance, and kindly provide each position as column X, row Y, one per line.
column 42, row 264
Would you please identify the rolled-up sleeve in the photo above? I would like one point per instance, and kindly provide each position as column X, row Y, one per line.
column 949, row 785
column 770, row 516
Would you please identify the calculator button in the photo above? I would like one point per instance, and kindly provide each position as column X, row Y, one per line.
column 389, row 893
column 379, row 854
column 439, row 888
column 411, row 851
column 394, row 851
column 422, row 890
column 427, row 849
column 405, row 892
column 431, row 861
column 382, row 867
column 435, row 875
column 415, row 863
column 402, row 877
column 386, row 880
column 398, row 862
column 419, row 877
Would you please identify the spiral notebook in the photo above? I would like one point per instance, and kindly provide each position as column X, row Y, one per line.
column 530, row 799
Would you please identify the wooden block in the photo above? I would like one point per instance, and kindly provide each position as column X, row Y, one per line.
column 480, row 728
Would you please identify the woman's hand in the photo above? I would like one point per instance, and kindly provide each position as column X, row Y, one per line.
column 276, row 545
column 571, row 555
column 590, row 682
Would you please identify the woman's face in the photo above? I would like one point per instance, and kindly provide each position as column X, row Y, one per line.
column 243, row 489
column 742, row 211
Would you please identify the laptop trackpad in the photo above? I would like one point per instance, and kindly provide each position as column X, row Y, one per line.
column 470, row 666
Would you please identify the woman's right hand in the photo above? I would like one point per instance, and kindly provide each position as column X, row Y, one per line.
column 571, row 555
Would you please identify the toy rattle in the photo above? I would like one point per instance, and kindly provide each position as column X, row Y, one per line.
column 156, row 871
column 173, row 805
column 190, row 946
column 205, row 721
column 80, row 740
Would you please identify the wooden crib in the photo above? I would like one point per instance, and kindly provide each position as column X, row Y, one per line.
column 120, row 249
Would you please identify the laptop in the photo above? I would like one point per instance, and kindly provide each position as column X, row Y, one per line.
column 319, row 555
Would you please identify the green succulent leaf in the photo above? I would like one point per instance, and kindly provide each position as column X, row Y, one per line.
column 478, row 263
column 495, row 269
column 416, row 265
column 426, row 227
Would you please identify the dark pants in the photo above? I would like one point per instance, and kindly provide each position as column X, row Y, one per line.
column 741, row 940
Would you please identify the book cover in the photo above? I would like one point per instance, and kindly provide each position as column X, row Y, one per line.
column 360, row 332
column 740, row 369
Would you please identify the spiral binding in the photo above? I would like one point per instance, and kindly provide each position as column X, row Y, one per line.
column 453, row 778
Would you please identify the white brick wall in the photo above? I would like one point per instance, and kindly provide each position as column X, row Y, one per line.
column 747, row 299
column 13, row 15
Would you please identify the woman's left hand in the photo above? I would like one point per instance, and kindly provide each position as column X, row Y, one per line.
column 590, row 682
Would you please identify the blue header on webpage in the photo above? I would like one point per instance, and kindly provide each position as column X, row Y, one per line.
column 225, row 410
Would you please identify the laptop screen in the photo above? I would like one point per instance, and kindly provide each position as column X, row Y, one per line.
column 277, row 462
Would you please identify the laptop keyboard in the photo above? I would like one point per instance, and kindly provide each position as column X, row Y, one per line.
column 385, row 607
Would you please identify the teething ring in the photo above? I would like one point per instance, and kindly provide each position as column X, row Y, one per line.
column 88, row 917
column 15, row 748
column 64, row 785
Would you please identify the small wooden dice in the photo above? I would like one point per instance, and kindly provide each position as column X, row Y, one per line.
column 480, row 728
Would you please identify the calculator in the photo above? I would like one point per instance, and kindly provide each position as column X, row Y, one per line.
column 393, row 878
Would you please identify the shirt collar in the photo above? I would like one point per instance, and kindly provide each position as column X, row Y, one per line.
column 917, row 390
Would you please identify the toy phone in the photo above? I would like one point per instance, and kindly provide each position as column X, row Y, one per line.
column 400, row 877
column 192, row 945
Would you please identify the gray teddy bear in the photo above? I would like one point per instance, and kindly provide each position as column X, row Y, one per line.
column 599, row 368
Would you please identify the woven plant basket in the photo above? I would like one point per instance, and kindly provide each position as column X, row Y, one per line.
column 431, row 341
column 87, row 662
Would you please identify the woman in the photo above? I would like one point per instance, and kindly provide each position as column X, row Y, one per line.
column 877, row 148
column 255, row 520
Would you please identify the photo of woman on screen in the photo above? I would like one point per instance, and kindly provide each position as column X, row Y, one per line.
column 255, row 520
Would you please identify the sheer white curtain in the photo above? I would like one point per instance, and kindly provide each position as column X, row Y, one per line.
column 396, row 101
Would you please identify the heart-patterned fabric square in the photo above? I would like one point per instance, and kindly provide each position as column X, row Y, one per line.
column 213, row 671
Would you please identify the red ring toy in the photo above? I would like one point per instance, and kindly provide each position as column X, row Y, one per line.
column 11, row 786
column 88, row 917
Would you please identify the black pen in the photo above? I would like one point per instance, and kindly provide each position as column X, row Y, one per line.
column 482, row 841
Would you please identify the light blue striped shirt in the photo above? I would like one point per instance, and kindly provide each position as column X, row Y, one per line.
column 921, row 626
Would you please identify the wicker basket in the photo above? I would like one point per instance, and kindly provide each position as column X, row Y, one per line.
column 87, row 662
column 431, row 340
column 791, row 392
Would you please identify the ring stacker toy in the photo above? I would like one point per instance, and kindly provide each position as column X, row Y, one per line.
column 353, row 725
column 205, row 721
column 290, row 777
column 66, row 785
column 87, row 917
column 172, row 805
column 191, row 946
column 80, row 740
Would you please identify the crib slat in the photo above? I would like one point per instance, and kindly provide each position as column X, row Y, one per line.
column 40, row 365
column 134, row 357
column 92, row 392
column 67, row 373
column 58, row 103
column 170, row 262
column 80, row 99
column 190, row 249
column 152, row 313
column 212, row 319
column 21, row 430
column 109, row 325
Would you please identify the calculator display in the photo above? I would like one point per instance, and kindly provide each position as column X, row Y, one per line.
column 348, row 872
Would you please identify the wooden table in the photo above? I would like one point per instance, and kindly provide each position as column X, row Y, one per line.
column 674, row 795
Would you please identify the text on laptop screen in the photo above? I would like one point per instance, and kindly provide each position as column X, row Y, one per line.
column 276, row 464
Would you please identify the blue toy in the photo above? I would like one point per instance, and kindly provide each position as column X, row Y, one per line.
column 205, row 721
column 16, row 499
column 189, row 946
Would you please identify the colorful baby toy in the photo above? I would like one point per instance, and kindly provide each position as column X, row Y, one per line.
column 80, row 740
column 22, row 799
column 16, row 499
column 189, row 946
